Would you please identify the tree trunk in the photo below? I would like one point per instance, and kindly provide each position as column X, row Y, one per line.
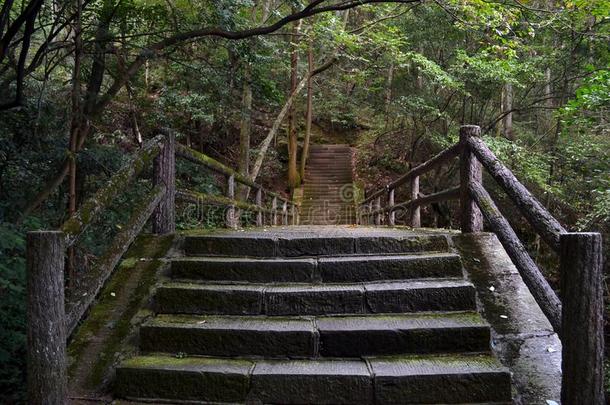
column 264, row 146
column 47, row 370
column 89, row 108
column 388, row 94
column 245, row 128
column 74, row 131
column 293, row 174
column 507, row 106
column 309, row 113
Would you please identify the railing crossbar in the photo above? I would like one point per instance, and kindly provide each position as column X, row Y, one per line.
column 440, row 158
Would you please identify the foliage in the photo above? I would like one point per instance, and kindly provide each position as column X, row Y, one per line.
column 12, row 310
column 404, row 78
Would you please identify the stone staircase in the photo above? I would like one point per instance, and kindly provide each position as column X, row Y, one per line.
column 318, row 315
column 328, row 192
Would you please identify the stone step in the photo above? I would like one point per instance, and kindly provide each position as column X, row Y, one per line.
column 328, row 269
column 328, row 199
column 245, row 269
column 329, row 172
column 308, row 337
column 328, row 179
column 328, row 164
column 323, row 187
column 336, row 186
column 388, row 267
column 291, row 245
column 231, row 336
column 445, row 379
column 326, row 205
column 346, row 153
column 341, row 221
column 329, row 183
column 389, row 334
column 396, row 380
column 315, row 299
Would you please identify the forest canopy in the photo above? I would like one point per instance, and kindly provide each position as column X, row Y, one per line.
column 84, row 83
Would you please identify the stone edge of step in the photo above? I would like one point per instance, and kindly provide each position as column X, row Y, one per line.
column 251, row 378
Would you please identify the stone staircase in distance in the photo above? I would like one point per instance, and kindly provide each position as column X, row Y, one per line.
column 328, row 191
column 315, row 315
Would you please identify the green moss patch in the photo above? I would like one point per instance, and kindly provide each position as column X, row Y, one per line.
column 105, row 331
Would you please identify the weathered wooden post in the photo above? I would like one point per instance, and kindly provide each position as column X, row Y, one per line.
column 274, row 211
column 415, row 211
column 293, row 214
column 259, row 204
column 391, row 214
column 46, row 326
column 164, row 172
column 470, row 172
column 369, row 217
column 284, row 213
column 231, row 220
column 582, row 333
column 377, row 208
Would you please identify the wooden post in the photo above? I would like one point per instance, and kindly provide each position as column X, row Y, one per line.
column 377, row 208
column 231, row 220
column 259, row 204
column 164, row 173
column 369, row 217
column 470, row 172
column 46, row 327
column 391, row 214
column 284, row 213
column 582, row 334
column 274, row 211
column 415, row 210
column 292, row 214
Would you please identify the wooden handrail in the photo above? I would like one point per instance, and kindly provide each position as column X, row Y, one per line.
column 428, row 165
column 578, row 317
column 51, row 320
column 201, row 159
column 74, row 227
column 82, row 297
column 448, row 194
column 535, row 213
column 218, row 200
column 533, row 278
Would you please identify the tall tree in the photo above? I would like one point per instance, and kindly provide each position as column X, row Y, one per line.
column 293, row 173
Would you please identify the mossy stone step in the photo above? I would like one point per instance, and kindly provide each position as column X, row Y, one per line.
column 315, row 299
column 388, row 267
column 299, row 337
column 440, row 379
column 186, row 379
column 378, row 380
column 231, row 336
column 245, row 269
column 257, row 245
column 337, row 269
column 353, row 336
column 313, row 382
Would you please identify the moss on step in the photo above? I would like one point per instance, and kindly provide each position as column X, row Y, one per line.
column 105, row 330
column 169, row 361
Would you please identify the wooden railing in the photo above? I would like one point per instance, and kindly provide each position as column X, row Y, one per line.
column 54, row 312
column 578, row 317
column 267, row 212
